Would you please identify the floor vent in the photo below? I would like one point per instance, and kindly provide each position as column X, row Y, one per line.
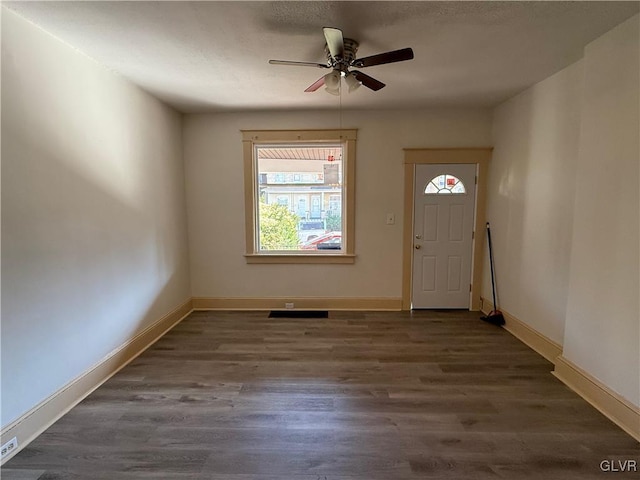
column 299, row 314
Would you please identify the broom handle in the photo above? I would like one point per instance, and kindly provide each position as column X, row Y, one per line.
column 493, row 282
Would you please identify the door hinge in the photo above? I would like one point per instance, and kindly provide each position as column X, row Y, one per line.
column 473, row 235
column 470, row 288
column 476, row 180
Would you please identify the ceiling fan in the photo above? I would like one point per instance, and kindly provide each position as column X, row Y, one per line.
column 341, row 55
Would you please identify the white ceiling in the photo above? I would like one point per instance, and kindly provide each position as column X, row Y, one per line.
column 212, row 56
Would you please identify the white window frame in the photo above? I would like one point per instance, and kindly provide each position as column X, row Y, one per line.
column 251, row 138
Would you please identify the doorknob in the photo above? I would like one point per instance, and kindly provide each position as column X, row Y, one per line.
column 418, row 237
column 418, row 247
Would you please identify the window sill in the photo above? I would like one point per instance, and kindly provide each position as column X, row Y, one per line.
column 299, row 258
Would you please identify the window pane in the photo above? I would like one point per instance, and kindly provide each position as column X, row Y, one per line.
column 431, row 188
column 300, row 195
column 445, row 184
column 458, row 188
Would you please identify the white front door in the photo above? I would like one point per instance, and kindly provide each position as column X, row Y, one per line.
column 443, row 219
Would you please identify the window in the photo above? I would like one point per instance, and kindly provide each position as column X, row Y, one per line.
column 445, row 184
column 299, row 198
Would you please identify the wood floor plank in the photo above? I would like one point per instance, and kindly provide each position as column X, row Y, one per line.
column 356, row 396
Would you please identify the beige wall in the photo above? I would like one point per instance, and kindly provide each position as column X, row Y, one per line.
column 602, row 333
column 213, row 159
column 564, row 208
column 530, row 201
column 94, row 245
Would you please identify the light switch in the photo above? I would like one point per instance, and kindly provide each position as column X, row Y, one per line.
column 391, row 219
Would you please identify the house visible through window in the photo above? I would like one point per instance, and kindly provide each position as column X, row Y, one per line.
column 301, row 195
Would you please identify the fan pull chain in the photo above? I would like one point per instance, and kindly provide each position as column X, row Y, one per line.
column 340, row 108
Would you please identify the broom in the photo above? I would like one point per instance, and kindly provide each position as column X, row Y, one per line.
column 494, row 316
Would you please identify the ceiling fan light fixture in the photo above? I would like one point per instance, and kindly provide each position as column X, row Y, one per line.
column 352, row 82
column 332, row 82
column 341, row 55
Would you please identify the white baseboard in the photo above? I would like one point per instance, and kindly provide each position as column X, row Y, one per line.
column 300, row 303
column 527, row 335
column 46, row 413
column 616, row 408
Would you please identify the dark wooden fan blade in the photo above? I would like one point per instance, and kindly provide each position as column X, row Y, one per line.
column 315, row 86
column 368, row 81
column 382, row 58
column 298, row 64
column 335, row 42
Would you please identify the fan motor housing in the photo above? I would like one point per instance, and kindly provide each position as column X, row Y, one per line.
column 343, row 63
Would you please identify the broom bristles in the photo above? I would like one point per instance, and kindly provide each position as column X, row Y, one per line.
column 495, row 317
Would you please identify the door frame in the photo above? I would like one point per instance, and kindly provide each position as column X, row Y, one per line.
column 413, row 156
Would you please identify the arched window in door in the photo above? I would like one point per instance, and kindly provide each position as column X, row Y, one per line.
column 445, row 184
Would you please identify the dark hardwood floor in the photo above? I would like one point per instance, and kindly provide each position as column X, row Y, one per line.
column 357, row 396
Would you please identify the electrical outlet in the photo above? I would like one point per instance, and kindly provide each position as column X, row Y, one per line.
column 288, row 305
column 9, row 447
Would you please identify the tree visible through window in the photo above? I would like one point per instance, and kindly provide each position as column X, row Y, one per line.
column 300, row 191
column 299, row 195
